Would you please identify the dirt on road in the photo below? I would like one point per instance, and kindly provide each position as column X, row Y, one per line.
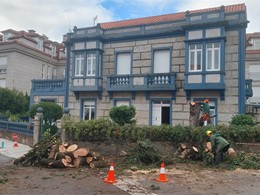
column 183, row 179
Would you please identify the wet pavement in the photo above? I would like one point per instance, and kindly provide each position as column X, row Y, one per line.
column 8, row 152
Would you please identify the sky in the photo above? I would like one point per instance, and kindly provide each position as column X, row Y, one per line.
column 55, row 18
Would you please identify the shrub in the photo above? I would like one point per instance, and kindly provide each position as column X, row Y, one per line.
column 242, row 119
column 51, row 112
column 122, row 114
column 145, row 152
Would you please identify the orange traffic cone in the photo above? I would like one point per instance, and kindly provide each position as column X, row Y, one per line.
column 15, row 144
column 111, row 175
column 162, row 177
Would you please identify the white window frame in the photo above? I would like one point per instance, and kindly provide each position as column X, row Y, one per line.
column 123, row 68
column 162, row 61
column 256, row 43
column 53, row 50
column 6, row 36
column 195, row 51
column 2, row 83
column 213, row 49
column 79, row 64
column 90, row 106
column 91, row 64
column 39, row 43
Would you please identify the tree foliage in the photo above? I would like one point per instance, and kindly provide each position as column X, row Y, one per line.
column 122, row 114
column 13, row 101
column 242, row 119
column 51, row 112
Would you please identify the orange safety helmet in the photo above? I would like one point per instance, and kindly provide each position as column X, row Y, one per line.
column 206, row 101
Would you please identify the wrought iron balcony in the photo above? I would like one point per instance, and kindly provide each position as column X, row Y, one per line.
column 149, row 82
column 248, row 88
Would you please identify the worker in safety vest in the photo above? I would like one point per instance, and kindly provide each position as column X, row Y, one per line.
column 205, row 108
column 219, row 145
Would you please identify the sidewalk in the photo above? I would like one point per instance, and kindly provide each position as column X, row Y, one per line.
column 11, row 151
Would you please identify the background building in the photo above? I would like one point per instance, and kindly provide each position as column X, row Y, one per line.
column 253, row 72
column 159, row 64
column 27, row 56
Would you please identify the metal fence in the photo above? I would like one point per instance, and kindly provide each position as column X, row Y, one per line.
column 17, row 127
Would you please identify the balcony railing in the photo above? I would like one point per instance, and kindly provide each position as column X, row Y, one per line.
column 248, row 88
column 150, row 82
column 48, row 85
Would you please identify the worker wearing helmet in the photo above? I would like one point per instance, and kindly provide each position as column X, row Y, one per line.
column 205, row 116
column 205, row 106
column 219, row 145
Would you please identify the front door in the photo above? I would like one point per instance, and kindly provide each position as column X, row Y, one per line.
column 160, row 112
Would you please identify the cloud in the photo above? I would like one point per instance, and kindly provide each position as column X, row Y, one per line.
column 54, row 18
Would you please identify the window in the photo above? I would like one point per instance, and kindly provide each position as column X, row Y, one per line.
column 91, row 64
column 3, row 63
column 39, row 43
column 213, row 56
column 161, row 112
column 89, row 110
column 44, row 75
column 6, row 36
column 2, row 83
column 48, row 100
column 123, row 63
column 254, row 72
column 79, row 64
column 256, row 43
column 162, row 61
column 49, row 72
column 195, row 57
column 53, row 50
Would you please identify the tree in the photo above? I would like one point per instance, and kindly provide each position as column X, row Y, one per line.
column 13, row 101
column 51, row 111
column 122, row 114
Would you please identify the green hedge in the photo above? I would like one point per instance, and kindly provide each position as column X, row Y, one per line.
column 104, row 129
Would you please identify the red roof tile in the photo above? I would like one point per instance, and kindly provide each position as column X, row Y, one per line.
column 168, row 17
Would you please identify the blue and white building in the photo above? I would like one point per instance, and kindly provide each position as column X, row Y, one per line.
column 159, row 64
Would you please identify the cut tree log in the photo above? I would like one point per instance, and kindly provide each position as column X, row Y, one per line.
column 98, row 164
column 80, row 161
column 45, row 162
column 62, row 149
column 75, row 154
column 82, row 151
column 232, row 153
column 72, row 148
column 58, row 163
column 89, row 159
column 183, row 146
column 54, row 150
column 66, row 145
column 68, row 159
column 208, row 146
column 59, row 155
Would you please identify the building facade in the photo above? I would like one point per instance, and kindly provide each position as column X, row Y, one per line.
column 26, row 57
column 159, row 65
column 253, row 72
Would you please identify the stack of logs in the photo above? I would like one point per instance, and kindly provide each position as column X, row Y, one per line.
column 65, row 155
column 185, row 151
column 51, row 153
